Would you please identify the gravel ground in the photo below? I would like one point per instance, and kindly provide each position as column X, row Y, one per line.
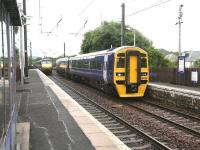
column 168, row 105
column 177, row 139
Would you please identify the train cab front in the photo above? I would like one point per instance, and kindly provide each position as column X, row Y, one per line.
column 46, row 66
column 131, row 72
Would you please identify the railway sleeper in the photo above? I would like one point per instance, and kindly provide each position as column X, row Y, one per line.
column 196, row 127
column 115, row 128
column 85, row 104
column 146, row 146
column 89, row 107
column 108, row 122
column 103, row 119
column 190, row 123
column 95, row 111
column 100, row 116
column 110, row 125
column 120, row 132
column 127, row 136
column 133, row 141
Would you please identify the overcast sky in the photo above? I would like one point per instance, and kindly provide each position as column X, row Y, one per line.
column 157, row 24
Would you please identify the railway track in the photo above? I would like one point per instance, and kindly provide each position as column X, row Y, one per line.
column 189, row 124
column 127, row 133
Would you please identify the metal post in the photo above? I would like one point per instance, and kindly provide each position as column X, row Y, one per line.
column 21, row 53
column 181, row 64
column 64, row 49
column 25, row 41
column 31, row 54
column 179, row 28
column 40, row 18
column 134, row 36
column 122, row 24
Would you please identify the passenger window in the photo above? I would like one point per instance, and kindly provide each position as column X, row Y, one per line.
column 74, row 63
column 143, row 62
column 80, row 64
column 99, row 65
column 92, row 64
column 120, row 62
column 86, row 63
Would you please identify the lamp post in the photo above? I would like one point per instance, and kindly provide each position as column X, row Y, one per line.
column 132, row 30
column 25, row 41
column 122, row 24
column 64, row 49
column 134, row 36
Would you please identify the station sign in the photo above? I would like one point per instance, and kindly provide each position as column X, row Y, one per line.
column 194, row 76
column 181, row 64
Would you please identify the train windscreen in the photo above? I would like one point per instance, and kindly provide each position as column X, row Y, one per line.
column 46, row 62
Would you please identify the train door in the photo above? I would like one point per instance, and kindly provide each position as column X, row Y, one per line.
column 105, row 67
column 132, row 71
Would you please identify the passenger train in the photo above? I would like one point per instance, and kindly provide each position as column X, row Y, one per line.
column 123, row 70
column 45, row 65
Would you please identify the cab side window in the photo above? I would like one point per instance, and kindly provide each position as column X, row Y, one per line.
column 143, row 62
column 120, row 62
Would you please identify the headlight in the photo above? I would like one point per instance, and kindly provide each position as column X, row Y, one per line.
column 119, row 74
column 143, row 73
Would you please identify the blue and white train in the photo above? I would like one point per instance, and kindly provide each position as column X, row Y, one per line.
column 123, row 70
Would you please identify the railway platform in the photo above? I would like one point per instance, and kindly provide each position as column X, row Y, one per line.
column 178, row 95
column 57, row 121
column 185, row 89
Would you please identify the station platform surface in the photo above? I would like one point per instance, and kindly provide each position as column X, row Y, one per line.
column 177, row 88
column 57, row 122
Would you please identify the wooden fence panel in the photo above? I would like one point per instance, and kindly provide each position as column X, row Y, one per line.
column 171, row 75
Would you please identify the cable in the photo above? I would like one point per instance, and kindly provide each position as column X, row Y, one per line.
column 149, row 7
column 87, row 6
column 81, row 28
column 56, row 26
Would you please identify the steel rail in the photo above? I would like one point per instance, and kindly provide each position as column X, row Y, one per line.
column 156, row 143
column 189, row 130
column 174, row 111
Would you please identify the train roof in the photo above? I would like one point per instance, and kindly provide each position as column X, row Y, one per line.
column 99, row 53
column 108, row 51
column 46, row 59
column 62, row 59
column 136, row 48
column 91, row 55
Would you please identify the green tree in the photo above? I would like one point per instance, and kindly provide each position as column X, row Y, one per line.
column 17, row 54
column 197, row 63
column 156, row 59
column 109, row 34
column 36, row 59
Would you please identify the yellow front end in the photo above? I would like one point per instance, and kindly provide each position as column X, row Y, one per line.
column 130, row 78
column 46, row 67
column 62, row 66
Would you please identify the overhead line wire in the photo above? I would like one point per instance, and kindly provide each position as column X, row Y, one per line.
column 87, row 6
column 56, row 26
column 82, row 27
column 149, row 7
